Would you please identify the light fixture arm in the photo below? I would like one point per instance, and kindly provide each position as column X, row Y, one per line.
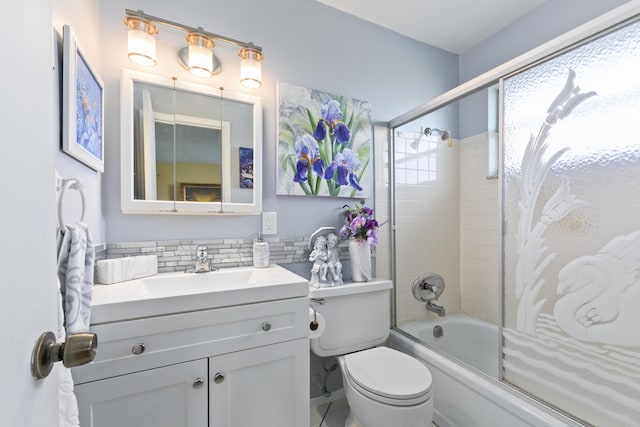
column 140, row 14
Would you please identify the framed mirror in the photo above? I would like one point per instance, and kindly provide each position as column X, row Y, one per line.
column 188, row 148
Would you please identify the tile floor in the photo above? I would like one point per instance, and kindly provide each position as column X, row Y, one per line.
column 331, row 413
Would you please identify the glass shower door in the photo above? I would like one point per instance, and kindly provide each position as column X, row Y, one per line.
column 571, row 236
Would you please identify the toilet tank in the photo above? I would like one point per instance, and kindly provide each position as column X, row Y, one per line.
column 356, row 314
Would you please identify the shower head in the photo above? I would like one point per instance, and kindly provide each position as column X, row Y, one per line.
column 444, row 134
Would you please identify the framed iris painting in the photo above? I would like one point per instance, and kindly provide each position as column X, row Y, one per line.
column 82, row 106
column 325, row 144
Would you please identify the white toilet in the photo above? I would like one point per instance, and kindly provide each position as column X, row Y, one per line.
column 383, row 387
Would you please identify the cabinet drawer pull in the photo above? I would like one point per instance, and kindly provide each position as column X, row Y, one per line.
column 218, row 378
column 266, row 326
column 138, row 348
column 198, row 382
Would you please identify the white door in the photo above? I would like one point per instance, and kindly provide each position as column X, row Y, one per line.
column 27, row 211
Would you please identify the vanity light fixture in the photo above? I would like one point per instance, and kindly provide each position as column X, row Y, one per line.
column 142, row 43
column 250, row 67
column 198, row 56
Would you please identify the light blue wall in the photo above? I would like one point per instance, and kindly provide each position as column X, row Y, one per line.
column 551, row 19
column 83, row 19
column 305, row 43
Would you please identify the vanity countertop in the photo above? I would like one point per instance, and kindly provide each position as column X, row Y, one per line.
column 170, row 293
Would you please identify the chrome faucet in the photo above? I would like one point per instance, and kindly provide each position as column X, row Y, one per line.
column 438, row 309
column 202, row 262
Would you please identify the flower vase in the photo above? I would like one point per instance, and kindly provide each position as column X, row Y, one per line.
column 360, row 254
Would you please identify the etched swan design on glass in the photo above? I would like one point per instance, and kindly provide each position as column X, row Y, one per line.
column 600, row 294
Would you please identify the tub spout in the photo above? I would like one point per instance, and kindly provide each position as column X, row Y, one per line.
column 438, row 309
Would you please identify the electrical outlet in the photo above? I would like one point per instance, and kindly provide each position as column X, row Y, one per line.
column 269, row 222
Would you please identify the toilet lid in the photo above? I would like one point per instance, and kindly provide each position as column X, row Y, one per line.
column 388, row 373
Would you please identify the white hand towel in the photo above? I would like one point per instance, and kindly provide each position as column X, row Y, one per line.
column 67, row 402
column 75, row 272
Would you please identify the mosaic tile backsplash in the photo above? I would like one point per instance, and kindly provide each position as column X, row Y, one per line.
column 178, row 255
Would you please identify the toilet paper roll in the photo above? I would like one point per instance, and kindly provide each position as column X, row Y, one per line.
column 316, row 324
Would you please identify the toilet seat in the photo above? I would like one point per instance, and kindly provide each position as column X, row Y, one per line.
column 388, row 376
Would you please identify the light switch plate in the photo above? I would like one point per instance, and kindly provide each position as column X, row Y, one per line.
column 269, row 222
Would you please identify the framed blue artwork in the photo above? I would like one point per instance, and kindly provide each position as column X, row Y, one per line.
column 82, row 106
column 246, row 167
column 324, row 144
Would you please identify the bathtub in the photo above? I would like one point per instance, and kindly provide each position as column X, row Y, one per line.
column 461, row 333
column 464, row 396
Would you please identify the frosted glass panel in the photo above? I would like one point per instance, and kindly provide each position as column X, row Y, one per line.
column 571, row 141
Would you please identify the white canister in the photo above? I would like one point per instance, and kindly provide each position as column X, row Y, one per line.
column 260, row 253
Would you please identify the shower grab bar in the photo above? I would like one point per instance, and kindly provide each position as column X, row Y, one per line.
column 62, row 185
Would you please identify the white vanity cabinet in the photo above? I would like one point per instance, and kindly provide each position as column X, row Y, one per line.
column 261, row 386
column 170, row 396
column 239, row 366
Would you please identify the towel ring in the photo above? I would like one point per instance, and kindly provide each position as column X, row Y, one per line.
column 63, row 185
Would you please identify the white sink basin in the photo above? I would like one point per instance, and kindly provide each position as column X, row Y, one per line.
column 192, row 282
column 180, row 292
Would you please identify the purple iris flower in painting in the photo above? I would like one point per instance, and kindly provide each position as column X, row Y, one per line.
column 321, row 130
column 330, row 111
column 344, row 168
column 343, row 134
column 333, row 118
column 307, row 151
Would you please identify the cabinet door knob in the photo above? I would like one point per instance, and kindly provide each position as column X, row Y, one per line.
column 266, row 326
column 138, row 348
column 218, row 377
column 198, row 382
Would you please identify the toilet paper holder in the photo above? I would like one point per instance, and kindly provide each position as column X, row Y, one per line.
column 316, row 321
column 313, row 325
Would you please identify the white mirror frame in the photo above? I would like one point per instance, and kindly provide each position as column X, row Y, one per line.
column 136, row 206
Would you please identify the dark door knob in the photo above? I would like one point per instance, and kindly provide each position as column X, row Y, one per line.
column 77, row 350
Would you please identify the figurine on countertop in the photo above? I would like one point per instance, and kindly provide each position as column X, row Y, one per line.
column 319, row 258
column 327, row 268
column 333, row 263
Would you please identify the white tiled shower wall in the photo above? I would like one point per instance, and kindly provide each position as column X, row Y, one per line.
column 382, row 207
column 479, row 232
column 447, row 222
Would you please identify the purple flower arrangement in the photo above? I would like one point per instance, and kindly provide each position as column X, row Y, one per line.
column 359, row 224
